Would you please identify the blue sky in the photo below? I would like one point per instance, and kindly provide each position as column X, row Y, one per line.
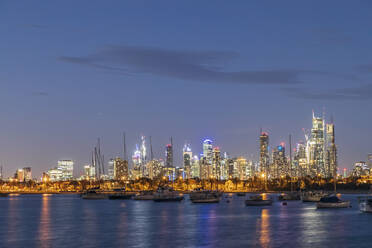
column 72, row 71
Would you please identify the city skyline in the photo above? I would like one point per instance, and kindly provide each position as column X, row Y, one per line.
column 70, row 77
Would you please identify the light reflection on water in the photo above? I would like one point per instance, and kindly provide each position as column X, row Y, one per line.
column 68, row 221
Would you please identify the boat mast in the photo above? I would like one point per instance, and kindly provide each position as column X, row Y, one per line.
column 290, row 161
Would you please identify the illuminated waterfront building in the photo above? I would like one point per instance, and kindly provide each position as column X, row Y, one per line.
column 169, row 156
column 300, row 160
column 110, row 169
column 316, row 148
column 208, row 150
column 360, row 169
column 67, row 168
column 136, row 159
column 280, row 166
column 143, row 154
column 195, row 167
column 20, row 175
column 216, row 163
column 241, row 168
column 121, row 169
column 155, row 169
column 90, row 171
column 230, row 166
column 27, row 174
column 187, row 157
column 264, row 153
column 55, row 174
column 331, row 152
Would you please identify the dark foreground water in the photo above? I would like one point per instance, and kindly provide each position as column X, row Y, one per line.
column 68, row 221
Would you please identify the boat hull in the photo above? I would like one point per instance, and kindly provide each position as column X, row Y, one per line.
column 168, row 199
column 120, row 197
column 94, row 197
column 343, row 204
column 365, row 207
column 217, row 200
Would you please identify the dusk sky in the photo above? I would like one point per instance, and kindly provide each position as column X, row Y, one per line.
column 73, row 71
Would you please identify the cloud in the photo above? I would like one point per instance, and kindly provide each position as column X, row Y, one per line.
column 363, row 92
column 206, row 66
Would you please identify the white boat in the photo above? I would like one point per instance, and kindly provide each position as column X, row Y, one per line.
column 290, row 196
column 258, row 200
column 167, row 194
column 332, row 202
column 204, row 196
column 365, row 204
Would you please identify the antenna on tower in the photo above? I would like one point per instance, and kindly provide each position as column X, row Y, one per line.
column 151, row 153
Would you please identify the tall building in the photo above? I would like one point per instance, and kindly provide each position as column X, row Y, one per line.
column 67, row 168
column 300, row 160
column 20, row 175
column 208, row 150
column 187, row 157
column 231, row 172
column 316, row 148
column 216, row 163
column 331, row 152
column 241, row 164
column 137, row 161
column 195, row 167
column 89, row 171
column 264, row 153
column 143, row 155
column 169, row 156
column 121, row 169
column 27, row 173
column 110, row 169
column 360, row 169
column 155, row 169
column 369, row 160
column 280, row 165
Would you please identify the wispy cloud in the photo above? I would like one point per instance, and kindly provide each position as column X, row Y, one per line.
column 363, row 92
column 207, row 66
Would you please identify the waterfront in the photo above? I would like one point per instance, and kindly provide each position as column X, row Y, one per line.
column 69, row 221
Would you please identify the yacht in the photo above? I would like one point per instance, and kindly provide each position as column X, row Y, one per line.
column 259, row 200
column 144, row 196
column 365, row 204
column 204, row 196
column 312, row 196
column 167, row 194
column 332, row 201
column 291, row 196
column 93, row 195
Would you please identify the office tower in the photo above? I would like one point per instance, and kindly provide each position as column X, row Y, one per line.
column 369, row 160
column 27, row 173
column 187, row 157
column 169, row 156
column 121, row 169
column 331, row 152
column 155, row 169
column 66, row 167
column 136, row 160
column 110, row 169
column 143, row 154
column 90, row 172
column 280, row 166
column 208, row 150
column 316, row 148
column 360, row 169
column 216, row 163
column 195, row 167
column 230, row 168
column 20, row 175
column 300, row 160
column 250, row 170
column 264, row 153
column 241, row 166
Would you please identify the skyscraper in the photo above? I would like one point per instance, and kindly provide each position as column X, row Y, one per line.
column 195, row 167
column 331, row 153
column 264, row 153
column 66, row 167
column 169, row 156
column 187, row 157
column 316, row 148
column 280, row 166
column 216, row 163
column 208, row 150
column 121, row 169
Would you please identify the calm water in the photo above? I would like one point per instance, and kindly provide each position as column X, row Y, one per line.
column 68, row 221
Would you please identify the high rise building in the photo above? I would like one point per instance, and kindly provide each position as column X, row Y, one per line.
column 143, row 155
column 360, row 169
column 89, row 171
column 121, row 169
column 216, row 163
column 187, row 157
column 369, row 160
column 208, row 150
column 316, row 148
column 231, row 171
column 241, row 164
column 331, row 152
column 169, row 156
column 195, row 167
column 280, row 165
column 155, row 169
column 137, row 161
column 27, row 173
column 110, row 169
column 20, row 175
column 300, row 161
column 67, row 168
column 264, row 153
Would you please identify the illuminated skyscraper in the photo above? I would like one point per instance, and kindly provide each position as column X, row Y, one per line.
column 169, row 155
column 208, row 150
column 143, row 154
column 66, row 167
column 195, row 167
column 121, row 169
column 264, row 153
column 216, row 163
column 241, row 164
column 316, row 148
column 187, row 157
column 280, row 166
column 331, row 152
column 300, row 160
column 155, row 169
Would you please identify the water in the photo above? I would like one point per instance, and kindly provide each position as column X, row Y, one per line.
column 68, row 221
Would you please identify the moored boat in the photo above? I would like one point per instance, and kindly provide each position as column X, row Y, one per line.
column 120, row 196
column 291, row 196
column 144, row 196
column 311, row 196
column 2, row 194
column 204, row 196
column 167, row 194
column 240, row 194
column 332, row 202
column 365, row 204
column 93, row 195
column 258, row 200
